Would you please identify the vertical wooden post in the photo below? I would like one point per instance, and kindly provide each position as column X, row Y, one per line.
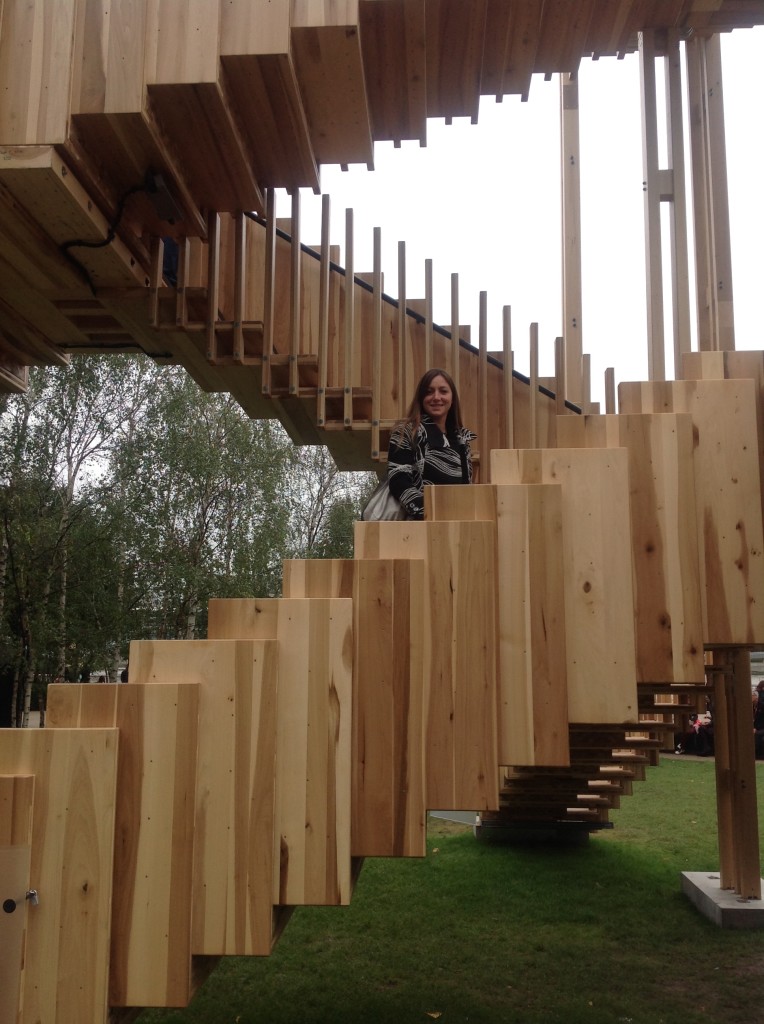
column 586, row 398
column 713, row 260
column 680, row 285
column 428, row 314
column 181, row 299
column 402, row 331
column 239, row 284
column 656, row 359
column 724, row 816
column 295, row 298
column 570, row 154
column 509, row 366
column 376, row 352
column 559, row 375
column 610, row 390
column 157, row 263
column 323, row 312
column 455, row 329
column 485, row 454
column 349, row 319
column 736, row 775
column 213, row 282
column 269, row 290
column 534, row 383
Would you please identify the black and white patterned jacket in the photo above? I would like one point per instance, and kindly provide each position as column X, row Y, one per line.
column 427, row 456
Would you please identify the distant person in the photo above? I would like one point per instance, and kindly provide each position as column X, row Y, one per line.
column 431, row 445
column 123, row 675
column 758, row 720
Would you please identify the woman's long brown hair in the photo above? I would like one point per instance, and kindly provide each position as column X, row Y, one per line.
column 414, row 414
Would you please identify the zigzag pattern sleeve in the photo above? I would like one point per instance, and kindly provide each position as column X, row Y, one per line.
column 404, row 472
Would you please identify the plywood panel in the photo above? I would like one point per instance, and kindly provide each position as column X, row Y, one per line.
column 67, row 943
column 393, row 37
column 329, row 66
column 388, row 808
column 235, row 786
column 533, row 691
column 532, row 696
column 728, row 496
column 731, row 365
column 108, row 73
column 313, row 737
column 599, row 604
column 183, row 42
column 665, row 560
column 36, row 43
column 16, row 796
column 42, row 183
column 455, row 33
column 459, row 652
column 318, row 577
column 152, row 902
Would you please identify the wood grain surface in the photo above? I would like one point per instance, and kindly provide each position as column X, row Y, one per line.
column 728, row 497
column 152, row 899
column 599, row 600
column 313, row 737
column 388, row 803
column 667, row 576
column 67, row 941
column 459, row 639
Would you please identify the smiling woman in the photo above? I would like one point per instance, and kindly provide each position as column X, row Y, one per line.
column 431, row 446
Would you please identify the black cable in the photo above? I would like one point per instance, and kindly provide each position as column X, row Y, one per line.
column 110, row 236
column 112, row 230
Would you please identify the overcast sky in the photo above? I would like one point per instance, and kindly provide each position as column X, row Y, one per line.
column 484, row 201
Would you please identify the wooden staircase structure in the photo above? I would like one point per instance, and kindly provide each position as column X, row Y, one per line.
column 524, row 653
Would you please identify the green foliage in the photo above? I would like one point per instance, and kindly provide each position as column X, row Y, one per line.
column 479, row 933
column 129, row 498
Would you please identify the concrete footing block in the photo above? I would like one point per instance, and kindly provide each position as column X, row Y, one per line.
column 722, row 906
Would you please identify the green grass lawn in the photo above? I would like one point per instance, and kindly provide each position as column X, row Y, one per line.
column 481, row 933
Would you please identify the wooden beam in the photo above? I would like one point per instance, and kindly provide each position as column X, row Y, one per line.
column 349, row 319
column 323, row 311
column 402, row 332
column 679, row 254
column 570, row 155
column 269, row 294
column 509, row 389
column 376, row 352
column 656, row 359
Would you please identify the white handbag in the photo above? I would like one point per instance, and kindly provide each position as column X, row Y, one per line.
column 382, row 505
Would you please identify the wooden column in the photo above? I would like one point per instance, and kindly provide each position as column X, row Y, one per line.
column 323, row 311
column 376, row 351
column 454, row 368
column 737, row 814
column 402, row 331
column 680, row 285
column 213, row 282
column 571, row 236
column 509, row 365
column 239, row 286
column 269, row 287
column 349, row 319
column 295, row 298
column 534, row 384
column 656, row 360
column 428, row 314
column 485, row 459
column 713, row 261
